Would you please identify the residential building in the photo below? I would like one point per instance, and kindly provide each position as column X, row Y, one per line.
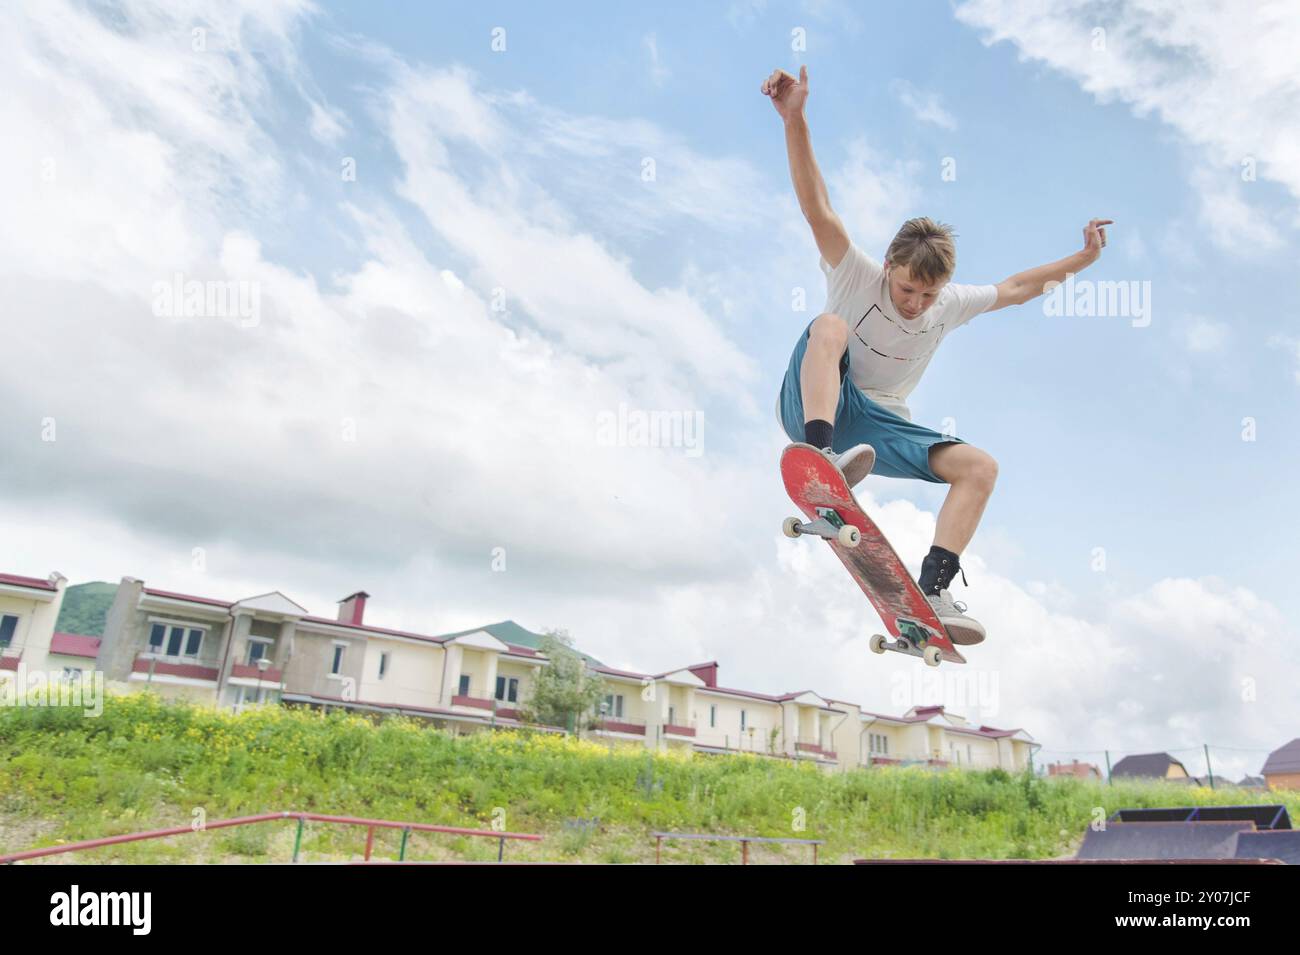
column 29, row 609
column 1282, row 768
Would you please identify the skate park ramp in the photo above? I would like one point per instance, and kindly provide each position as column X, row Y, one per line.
column 1224, row 835
column 1164, row 840
column 1263, row 816
column 1281, row 844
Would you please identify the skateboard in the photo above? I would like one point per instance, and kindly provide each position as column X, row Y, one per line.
column 833, row 513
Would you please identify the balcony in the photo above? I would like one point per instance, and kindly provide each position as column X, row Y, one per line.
column 190, row 670
column 9, row 657
column 678, row 729
column 249, row 671
column 814, row 747
column 474, row 702
column 636, row 728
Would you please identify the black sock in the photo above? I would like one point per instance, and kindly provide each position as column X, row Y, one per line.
column 938, row 570
column 818, row 433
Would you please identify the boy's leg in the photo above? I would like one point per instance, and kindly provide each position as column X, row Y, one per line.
column 819, row 374
column 970, row 474
column 906, row 449
column 821, row 387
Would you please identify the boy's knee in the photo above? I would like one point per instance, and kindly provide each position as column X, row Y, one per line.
column 829, row 331
column 961, row 463
column 983, row 470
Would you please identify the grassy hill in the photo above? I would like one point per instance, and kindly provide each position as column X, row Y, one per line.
column 147, row 764
column 85, row 608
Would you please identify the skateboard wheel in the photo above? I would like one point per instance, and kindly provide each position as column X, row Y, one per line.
column 790, row 527
column 877, row 643
column 931, row 656
column 849, row 535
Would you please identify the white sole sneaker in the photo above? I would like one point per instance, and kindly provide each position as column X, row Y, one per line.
column 855, row 463
column 962, row 630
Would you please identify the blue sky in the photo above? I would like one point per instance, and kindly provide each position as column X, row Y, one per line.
column 439, row 334
column 1108, row 435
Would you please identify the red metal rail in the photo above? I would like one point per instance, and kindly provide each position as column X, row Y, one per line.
column 302, row 817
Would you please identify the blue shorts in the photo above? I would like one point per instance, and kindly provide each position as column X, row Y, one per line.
column 902, row 446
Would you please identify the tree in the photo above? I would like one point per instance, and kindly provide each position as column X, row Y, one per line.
column 564, row 691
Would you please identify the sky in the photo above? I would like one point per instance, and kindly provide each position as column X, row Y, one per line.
column 471, row 248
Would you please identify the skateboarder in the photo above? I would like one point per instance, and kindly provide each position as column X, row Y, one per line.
column 846, row 387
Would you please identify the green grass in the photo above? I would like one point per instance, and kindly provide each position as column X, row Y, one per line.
column 147, row 764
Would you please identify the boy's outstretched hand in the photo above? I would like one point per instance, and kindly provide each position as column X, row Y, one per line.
column 1094, row 237
column 788, row 94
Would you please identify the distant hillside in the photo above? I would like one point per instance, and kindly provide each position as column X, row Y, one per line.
column 85, row 608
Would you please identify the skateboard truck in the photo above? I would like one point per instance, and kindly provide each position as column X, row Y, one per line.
column 913, row 639
column 829, row 525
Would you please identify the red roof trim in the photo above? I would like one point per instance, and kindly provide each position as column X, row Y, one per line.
column 189, row 597
column 35, row 583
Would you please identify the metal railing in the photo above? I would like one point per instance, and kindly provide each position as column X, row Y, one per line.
column 743, row 840
column 302, row 817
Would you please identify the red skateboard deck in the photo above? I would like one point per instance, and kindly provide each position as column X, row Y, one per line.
column 820, row 491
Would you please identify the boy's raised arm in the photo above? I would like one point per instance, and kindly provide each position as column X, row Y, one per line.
column 788, row 96
column 1031, row 283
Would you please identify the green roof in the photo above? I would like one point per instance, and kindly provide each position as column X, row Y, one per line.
column 507, row 631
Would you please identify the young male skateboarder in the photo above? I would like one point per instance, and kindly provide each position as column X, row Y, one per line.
column 846, row 387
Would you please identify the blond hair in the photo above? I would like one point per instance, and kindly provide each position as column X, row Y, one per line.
column 926, row 248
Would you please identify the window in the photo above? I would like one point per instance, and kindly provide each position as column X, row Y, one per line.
column 464, row 684
column 258, row 650
column 8, row 626
column 383, row 665
column 337, row 664
column 713, row 715
column 246, row 695
column 968, row 756
column 507, row 689
column 742, row 721
column 171, row 640
column 614, row 704
column 71, row 673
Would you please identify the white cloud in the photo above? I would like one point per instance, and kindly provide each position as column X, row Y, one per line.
column 743, row 13
column 658, row 72
column 1221, row 73
column 1226, row 219
column 327, row 126
column 1205, row 335
column 1292, row 345
column 873, row 195
column 924, row 104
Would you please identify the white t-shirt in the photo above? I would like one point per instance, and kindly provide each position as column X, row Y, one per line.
column 888, row 353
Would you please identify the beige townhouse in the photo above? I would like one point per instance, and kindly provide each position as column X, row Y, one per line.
column 29, row 642
column 267, row 649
